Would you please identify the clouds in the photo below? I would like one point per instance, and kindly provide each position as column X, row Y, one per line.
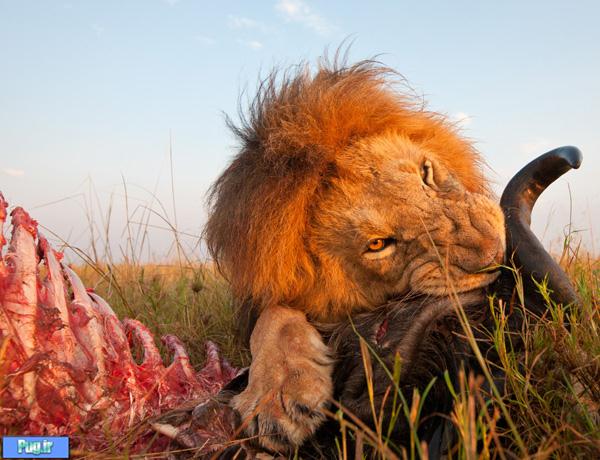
column 204, row 40
column 252, row 44
column 241, row 22
column 12, row 172
column 295, row 11
column 462, row 119
column 535, row 146
column 255, row 44
column 244, row 24
column 98, row 29
column 299, row 12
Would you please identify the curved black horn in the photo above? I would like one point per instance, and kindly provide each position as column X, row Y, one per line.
column 517, row 202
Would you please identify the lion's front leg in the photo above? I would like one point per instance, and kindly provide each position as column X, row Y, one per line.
column 289, row 383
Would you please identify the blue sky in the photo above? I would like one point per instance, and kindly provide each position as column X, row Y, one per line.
column 90, row 93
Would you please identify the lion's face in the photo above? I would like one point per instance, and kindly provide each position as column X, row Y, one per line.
column 397, row 219
column 345, row 192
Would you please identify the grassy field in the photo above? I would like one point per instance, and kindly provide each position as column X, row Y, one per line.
column 551, row 408
column 190, row 301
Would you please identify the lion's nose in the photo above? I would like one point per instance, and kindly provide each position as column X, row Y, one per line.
column 485, row 253
column 493, row 253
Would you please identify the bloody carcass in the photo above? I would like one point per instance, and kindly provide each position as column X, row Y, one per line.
column 66, row 362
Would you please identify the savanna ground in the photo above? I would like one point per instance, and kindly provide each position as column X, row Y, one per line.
column 551, row 406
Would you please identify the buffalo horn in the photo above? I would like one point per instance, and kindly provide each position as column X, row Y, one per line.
column 517, row 202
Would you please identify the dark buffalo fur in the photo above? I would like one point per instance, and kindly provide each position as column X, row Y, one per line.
column 427, row 335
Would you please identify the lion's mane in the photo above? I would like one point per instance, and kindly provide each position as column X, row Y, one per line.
column 289, row 142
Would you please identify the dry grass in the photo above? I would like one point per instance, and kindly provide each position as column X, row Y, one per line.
column 189, row 300
column 551, row 408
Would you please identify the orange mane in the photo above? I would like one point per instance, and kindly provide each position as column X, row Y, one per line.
column 296, row 126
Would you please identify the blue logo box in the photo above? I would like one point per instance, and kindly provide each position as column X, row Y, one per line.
column 35, row 447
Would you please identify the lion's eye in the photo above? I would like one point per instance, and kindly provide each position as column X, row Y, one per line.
column 378, row 244
column 427, row 173
column 379, row 248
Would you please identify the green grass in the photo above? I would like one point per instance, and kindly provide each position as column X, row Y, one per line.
column 189, row 300
column 551, row 408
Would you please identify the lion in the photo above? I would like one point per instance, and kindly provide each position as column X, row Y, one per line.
column 345, row 192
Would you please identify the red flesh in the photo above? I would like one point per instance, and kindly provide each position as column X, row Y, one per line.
column 66, row 366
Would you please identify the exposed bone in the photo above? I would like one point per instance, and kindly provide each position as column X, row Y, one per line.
column 181, row 360
column 19, row 299
column 53, row 295
column 65, row 358
column 152, row 359
column 3, row 206
column 88, row 326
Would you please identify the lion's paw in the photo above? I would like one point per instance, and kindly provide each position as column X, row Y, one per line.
column 289, row 384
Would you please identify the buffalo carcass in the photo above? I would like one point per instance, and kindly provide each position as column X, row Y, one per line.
column 66, row 362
